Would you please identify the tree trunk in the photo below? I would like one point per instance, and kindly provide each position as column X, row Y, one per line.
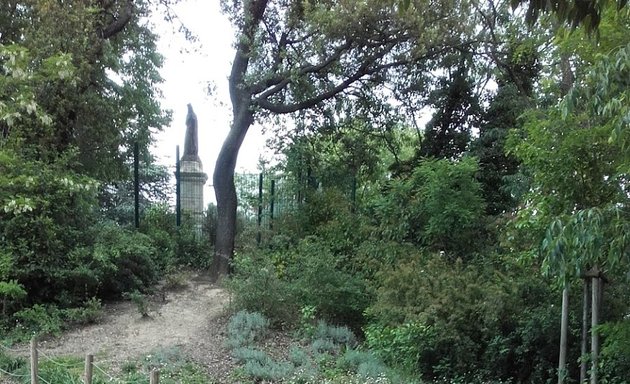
column 596, row 287
column 223, row 179
column 586, row 308
column 564, row 326
column 225, row 192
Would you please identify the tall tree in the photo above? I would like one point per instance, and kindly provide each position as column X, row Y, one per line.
column 447, row 135
column 294, row 55
column 111, row 100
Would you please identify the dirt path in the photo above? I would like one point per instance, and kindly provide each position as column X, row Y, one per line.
column 192, row 319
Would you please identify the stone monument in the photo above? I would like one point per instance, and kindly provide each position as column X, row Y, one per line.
column 192, row 178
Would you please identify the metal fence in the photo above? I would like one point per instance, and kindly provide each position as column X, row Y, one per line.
column 263, row 197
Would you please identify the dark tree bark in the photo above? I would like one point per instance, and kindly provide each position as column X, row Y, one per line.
column 223, row 178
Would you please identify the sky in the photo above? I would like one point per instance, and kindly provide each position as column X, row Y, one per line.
column 188, row 69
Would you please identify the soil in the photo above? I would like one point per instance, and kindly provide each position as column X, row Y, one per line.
column 192, row 319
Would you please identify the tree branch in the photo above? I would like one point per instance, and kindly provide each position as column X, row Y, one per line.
column 253, row 11
column 119, row 23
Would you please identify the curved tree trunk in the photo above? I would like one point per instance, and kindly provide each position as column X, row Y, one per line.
column 223, row 178
column 225, row 192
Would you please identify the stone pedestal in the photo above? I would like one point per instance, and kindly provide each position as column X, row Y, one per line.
column 192, row 180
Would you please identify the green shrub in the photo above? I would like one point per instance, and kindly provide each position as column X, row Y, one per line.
column 89, row 313
column 256, row 287
column 447, row 319
column 191, row 250
column 268, row 370
column 127, row 260
column 324, row 346
column 317, row 278
column 245, row 354
column 39, row 320
column 340, row 336
column 298, row 356
column 10, row 363
column 140, row 300
column 615, row 356
column 364, row 363
column 45, row 211
column 245, row 328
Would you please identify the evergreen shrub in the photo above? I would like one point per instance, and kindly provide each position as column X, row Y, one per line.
column 245, row 328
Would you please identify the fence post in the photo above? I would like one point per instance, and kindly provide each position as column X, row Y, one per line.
column 34, row 362
column 271, row 205
column 136, row 184
column 89, row 359
column 155, row 377
column 178, row 198
column 260, row 208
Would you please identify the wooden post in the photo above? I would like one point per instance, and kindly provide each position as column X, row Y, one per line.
column 596, row 286
column 34, row 362
column 89, row 359
column 155, row 377
column 564, row 327
column 586, row 309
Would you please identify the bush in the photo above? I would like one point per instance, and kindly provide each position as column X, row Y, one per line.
column 45, row 210
column 127, row 260
column 268, row 370
column 447, row 319
column 245, row 328
column 339, row 336
column 615, row 355
column 256, row 287
column 366, row 364
column 39, row 320
column 317, row 278
column 140, row 300
column 89, row 313
column 245, row 354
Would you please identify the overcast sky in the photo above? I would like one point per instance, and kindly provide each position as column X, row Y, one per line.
column 186, row 76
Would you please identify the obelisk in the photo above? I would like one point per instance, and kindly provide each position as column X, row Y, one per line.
column 192, row 177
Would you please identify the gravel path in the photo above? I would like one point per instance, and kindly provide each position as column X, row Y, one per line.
column 192, row 319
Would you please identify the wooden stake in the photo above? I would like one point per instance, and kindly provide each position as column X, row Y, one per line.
column 564, row 326
column 596, row 286
column 155, row 377
column 34, row 363
column 586, row 309
column 89, row 359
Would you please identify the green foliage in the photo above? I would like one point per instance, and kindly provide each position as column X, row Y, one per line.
column 438, row 206
column 257, row 288
column 10, row 363
column 176, row 246
column 245, row 328
column 439, row 317
column 89, row 313
column 140, row 300
column 366, row 364
column 128, row 260
column 447, row 134
column 318, row 278
column 174, row 368
column 268, row 370
column 39, row 320
column 338, row 337
column 44, row 213
column 615, row 356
